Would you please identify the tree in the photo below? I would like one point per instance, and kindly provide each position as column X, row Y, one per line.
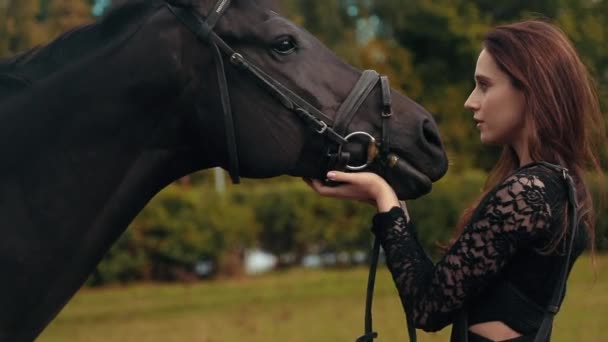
column 19, row 26
column 586, row 23
column 67, row 14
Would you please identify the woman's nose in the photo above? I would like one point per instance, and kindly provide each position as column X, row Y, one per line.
column 471, row 103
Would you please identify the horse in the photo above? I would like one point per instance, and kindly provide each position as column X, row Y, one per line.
column 96, row 122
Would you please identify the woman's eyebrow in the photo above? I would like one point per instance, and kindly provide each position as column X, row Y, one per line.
column 480, row 77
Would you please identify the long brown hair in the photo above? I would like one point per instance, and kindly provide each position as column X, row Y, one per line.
column 561, row 108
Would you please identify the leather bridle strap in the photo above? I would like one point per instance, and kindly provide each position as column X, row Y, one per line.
column 203, row 29
column 200, row 27
column 290, row 100
column 337, row 158
column 369, row 333
column 233, row 155
column 544, row 331
column 353, row 101
column 387, row 112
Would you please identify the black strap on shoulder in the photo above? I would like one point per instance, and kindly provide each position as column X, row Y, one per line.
column 544, row 332
column 460, row 327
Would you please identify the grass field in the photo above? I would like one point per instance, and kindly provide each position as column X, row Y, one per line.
column 298, row 305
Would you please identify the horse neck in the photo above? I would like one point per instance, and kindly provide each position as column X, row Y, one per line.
column 82, row 154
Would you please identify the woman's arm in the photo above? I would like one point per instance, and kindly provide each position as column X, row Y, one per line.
column 511, row 217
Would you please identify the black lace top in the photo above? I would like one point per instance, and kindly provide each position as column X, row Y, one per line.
column 505, row 241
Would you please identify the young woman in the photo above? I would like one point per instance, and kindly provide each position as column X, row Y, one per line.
column 533, row 96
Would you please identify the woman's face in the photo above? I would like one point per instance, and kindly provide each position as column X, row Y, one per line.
column 496, row 104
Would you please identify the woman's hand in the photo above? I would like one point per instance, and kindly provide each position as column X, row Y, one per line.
column 364, row 186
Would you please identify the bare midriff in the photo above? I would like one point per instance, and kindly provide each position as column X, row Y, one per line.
column 495, row 331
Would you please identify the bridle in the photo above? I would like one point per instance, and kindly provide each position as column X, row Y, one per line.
column 333, row 130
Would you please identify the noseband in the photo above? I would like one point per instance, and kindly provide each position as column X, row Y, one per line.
column 333, row 130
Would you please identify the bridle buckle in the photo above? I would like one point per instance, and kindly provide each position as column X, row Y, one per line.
column 323, row 127
column 237, row 60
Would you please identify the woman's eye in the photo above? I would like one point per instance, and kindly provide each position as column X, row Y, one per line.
column 285, row 46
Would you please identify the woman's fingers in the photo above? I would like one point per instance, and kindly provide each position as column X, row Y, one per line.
column 344, row 177
column 324, row 190
column 366, row 187
column 315, row 184
column 341, row 191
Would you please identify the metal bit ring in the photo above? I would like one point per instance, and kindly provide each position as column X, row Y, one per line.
column 372, row 140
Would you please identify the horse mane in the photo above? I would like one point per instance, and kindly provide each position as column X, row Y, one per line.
column 124, row 12
column 116, row 25
column 7, row 63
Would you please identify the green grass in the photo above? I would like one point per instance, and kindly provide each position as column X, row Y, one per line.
column 298, row 305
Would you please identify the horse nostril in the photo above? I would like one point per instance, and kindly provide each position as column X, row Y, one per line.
column 430, row 134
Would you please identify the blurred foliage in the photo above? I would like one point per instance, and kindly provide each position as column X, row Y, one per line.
column 180, row 227
column 185, row 224
column 27, row 23
column 428, row 48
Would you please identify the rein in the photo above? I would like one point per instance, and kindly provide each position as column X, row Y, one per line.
column 333, row 130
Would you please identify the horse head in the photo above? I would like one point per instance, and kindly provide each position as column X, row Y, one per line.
column 270, row 137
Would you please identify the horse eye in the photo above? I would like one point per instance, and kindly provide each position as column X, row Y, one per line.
column 285, row 46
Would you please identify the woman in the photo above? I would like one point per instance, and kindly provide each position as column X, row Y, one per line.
column 534, row 97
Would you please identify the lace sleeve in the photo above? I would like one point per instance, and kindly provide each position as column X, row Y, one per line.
column 509, row 218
